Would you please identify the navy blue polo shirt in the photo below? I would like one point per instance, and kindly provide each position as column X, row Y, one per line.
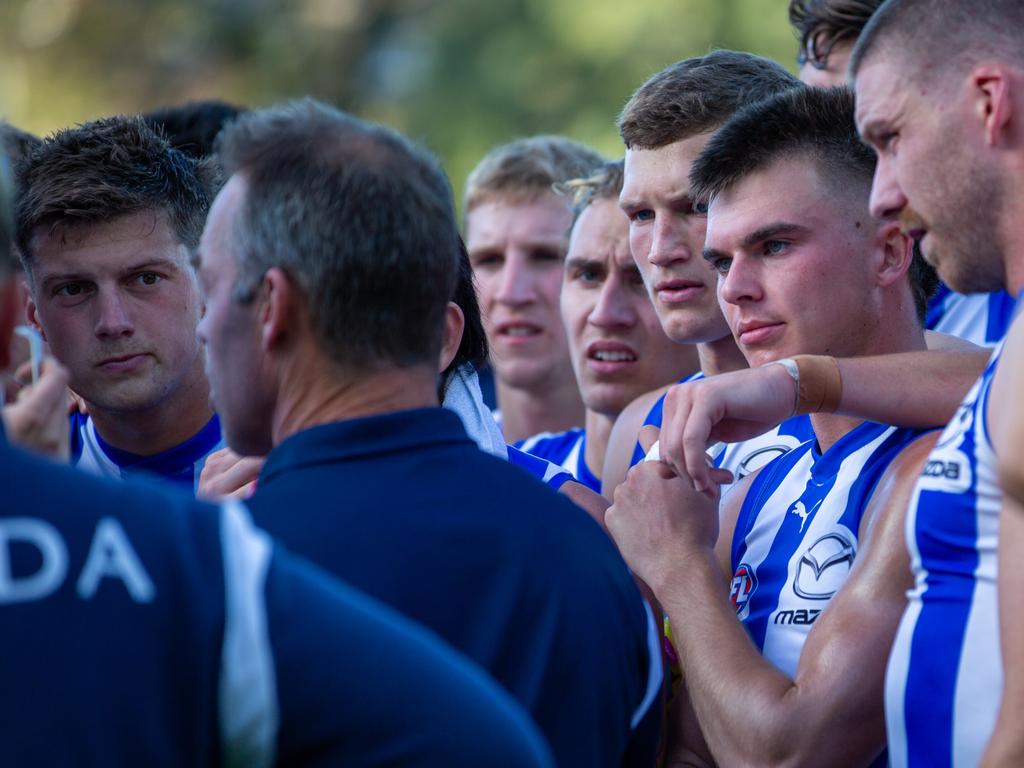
column 144, row 628
column 407, row 508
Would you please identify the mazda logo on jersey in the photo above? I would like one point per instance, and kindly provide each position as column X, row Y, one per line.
column 743, row 584
column 823, row 568
column 759, row 458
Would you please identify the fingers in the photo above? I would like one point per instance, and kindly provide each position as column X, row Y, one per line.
column 38, row 419
column 648, row 436
column 225, row 473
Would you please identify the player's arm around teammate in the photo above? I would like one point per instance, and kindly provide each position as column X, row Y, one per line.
column 910, row 389
column 750, row 713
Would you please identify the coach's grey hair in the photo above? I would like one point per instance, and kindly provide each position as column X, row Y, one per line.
column 933, row 37
column 359, row 217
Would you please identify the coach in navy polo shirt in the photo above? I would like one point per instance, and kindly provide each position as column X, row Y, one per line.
column 142, row 628
column 327, row 263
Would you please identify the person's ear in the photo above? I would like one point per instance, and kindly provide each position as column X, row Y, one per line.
column 454, row 324
column 277, row 297
column 894, row 252
column 990, row 85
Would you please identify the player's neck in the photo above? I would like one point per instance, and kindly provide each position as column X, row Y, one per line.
column 313, row 392
column 554, row 407
column 830, row 428
column 599, row 429
column 720, row 356
column 163, row 426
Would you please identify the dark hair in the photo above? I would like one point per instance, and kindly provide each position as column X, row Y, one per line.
column 603, row 184
column 108, row 168
column 934, row 35
column 193, row 127
column 697, row 95
column 473, row 347
column 527, row 168
column 816, row 124
column 820, row 24
column 359, row 217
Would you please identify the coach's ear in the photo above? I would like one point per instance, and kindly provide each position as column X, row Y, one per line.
column 280, row 303
column 454, row 324
column 893, row 252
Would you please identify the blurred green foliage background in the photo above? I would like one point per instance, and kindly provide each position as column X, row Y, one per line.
column 459, row 75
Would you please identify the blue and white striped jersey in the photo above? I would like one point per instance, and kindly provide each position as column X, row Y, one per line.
column 796, row 536
column 748, row 456
column 981, row 318
column 144, row 628
column 944, row 677
column 180, row 465
column 566, row 449
column 547, row 472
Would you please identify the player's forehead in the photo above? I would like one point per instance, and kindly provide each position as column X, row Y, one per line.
column 787, row 195
column 880, row 92
column 543, row 219
column 651, row 175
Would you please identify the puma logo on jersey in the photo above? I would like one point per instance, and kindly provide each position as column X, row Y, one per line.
column 800, row 510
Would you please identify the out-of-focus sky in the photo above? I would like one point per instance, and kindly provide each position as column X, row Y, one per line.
column 458, row 75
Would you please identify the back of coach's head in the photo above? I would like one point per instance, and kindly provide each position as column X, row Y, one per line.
column 359, row 217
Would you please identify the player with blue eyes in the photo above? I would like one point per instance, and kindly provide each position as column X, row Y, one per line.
column 108, row 223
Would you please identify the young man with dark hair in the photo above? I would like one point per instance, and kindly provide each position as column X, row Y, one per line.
column 804, row 544
column 328, row 263
column 828, row 30
column 665, row 125
column 108, row 218
column 517, row 234
column 617, row 347
column 142, row 628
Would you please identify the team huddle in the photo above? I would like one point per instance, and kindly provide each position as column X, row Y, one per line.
column 741, row 499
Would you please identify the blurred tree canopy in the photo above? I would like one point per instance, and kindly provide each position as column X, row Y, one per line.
column 459, row 75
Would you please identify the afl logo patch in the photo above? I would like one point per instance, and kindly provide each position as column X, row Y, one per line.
column 744, row 582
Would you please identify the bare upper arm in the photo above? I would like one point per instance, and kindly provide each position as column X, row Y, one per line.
column 622, row 440
column 1006, row 414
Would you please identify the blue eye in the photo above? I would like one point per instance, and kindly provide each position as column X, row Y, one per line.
column 644, row 215
column 775, row 246
column 721, row 266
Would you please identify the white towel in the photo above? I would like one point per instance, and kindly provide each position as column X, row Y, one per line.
column 462, row 395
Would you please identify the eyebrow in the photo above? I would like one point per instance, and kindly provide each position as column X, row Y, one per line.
column 582, row 262
column 767, row 232
column 142, row 266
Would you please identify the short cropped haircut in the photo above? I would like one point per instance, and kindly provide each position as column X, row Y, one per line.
column 194, row 126
column 108, row 168
column 603, row 184
column 934, row 37
column 821, row 24
column 527, row 169
column 697, row 95
column 359, row 217
column 812, row 124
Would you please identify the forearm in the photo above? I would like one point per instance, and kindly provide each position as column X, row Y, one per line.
column 722, row 668
column 911, row 389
